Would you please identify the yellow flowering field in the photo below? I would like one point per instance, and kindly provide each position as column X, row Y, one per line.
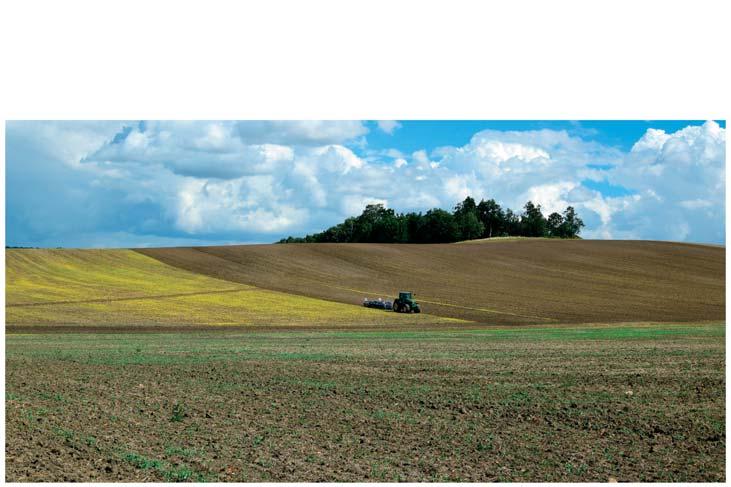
column 123, row 287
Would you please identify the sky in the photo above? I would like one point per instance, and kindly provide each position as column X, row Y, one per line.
column 176, row 183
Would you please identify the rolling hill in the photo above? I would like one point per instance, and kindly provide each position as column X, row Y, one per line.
column 501, row 282
column 122, row 288
column 496, row 282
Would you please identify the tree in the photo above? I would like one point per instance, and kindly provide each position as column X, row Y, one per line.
column 572, row 224
column 347, row 230
column 439, row 227
column 470, row 227
column 532, row 222
column 554, row 223
column 386, row 227
column 467, row 206
column 511, row 224
column 364, row 223
column 492, row 217
column 376, row 224
column 414, row 223
column 468, row 223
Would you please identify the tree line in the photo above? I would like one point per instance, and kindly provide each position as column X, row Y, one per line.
column 469, row 220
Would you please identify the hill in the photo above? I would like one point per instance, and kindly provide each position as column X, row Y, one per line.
column 123, row 288
column 498, row 282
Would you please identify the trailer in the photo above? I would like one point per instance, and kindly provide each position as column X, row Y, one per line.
column 378, row 304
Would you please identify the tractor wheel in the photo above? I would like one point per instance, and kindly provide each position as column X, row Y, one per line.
column 396, row 307
column 407, row 308
column 417, row 310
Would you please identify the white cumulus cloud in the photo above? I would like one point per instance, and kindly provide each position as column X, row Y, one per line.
column 224, row 181
column 388, row 126
column 681, row 182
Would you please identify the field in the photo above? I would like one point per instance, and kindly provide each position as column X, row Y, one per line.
column 495, row 283
column 535, row 360
column 78, row 289
column 590, row 403
column 528, row 281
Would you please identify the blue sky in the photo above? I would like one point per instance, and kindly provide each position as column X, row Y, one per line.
column 151, row 183
column 430, row 134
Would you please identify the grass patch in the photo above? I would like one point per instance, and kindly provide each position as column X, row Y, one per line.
column 180, row 451
column 178, row 413
column 169, row 472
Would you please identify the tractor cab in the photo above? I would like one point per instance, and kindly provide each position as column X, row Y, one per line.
column 405, row 303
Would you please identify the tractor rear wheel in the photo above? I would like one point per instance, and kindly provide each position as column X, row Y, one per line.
column 407, row 308
column 396, row 307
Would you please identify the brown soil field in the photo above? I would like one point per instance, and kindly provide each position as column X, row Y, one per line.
column 582, row 403
column 525, row 281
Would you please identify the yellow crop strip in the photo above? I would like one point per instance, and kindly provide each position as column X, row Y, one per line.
column 123, row 287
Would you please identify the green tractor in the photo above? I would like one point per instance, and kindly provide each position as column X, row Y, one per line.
column 405, row 303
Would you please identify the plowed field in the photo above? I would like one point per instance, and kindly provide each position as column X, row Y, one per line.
column 633, row 403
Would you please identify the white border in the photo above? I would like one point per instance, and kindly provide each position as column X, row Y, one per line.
column 281, row 59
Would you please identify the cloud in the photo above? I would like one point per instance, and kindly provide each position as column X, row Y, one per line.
column 336, row 158
column 52, row 199
column 197, row 149
column 388, row 126
column 211, row 207
column 515, row 166
column 353, row 204
column 673, row 185
column 300, row 132
column 680, row 179
column 393, row 153
column 552, row 197
column 222, row 182
column 211, row 182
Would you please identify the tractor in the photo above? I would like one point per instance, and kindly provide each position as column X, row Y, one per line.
column 405, row 303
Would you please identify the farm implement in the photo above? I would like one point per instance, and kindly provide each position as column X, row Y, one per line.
column 378, row 304
column 405, row 303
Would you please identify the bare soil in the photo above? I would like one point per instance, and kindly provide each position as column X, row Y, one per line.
column 503, row 282
column 632, row 403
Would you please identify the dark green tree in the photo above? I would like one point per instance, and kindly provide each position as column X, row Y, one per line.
column 439, row 227
column 511, row 224
column 386, row 227
column 468, row 222
column 465, row 207
column 470, row 227
column 376, row 224
column 554, row 224
column 414, row 223
column 532, row 221
column 572, row 224
column 492, row 218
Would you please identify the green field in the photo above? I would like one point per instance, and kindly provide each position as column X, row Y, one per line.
column 580, row 403
column 125, row 288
